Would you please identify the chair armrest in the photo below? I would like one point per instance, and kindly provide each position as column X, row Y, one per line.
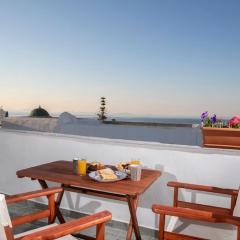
column 69, row 227
column 229, row 219
column 184, row 212
column 211, row 189
column 195, row 214
column 30, row 195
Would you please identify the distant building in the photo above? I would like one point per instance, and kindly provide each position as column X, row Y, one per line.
column 39, row 112
column 2, row 114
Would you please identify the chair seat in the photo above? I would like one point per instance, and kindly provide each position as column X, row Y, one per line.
column 68, row 237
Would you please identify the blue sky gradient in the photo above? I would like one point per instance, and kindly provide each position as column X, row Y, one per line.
column 162, row 58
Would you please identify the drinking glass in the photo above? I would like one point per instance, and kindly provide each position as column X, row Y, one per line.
column 82, row 167
column 135, row 162
column 136, row 172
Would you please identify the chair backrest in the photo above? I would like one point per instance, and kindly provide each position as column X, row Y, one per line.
column 5, row 220
column 236, row 211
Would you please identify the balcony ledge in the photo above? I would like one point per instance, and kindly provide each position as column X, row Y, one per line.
column 128, row 143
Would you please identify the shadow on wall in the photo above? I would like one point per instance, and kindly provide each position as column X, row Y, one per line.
column 158, row 189
column 154, row 195
column 91, row 206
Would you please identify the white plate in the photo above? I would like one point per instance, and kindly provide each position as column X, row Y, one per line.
column 96, row 176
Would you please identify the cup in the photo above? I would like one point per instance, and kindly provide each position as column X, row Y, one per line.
column 135, row 162
column 75, row 166
column 82, row 167
column 135, row 172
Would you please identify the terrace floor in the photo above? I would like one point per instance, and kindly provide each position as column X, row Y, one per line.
column 114, row 230
column 117, row 231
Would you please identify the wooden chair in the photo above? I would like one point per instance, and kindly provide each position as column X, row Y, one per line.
column 52, row 231
column 196, row 211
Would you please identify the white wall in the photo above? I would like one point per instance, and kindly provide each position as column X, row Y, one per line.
column 68, row 124
column 20, row 150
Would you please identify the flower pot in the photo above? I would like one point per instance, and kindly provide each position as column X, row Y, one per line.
column 221, row 137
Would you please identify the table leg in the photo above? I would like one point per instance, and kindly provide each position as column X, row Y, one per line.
column 57, row 202
column 130, row 226
column 131, row 204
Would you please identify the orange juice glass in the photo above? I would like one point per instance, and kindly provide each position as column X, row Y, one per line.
column 135, row 162
column 82, row 167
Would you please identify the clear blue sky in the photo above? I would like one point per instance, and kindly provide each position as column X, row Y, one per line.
column 166, row 58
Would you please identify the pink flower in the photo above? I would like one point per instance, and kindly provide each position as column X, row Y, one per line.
column 234, row 121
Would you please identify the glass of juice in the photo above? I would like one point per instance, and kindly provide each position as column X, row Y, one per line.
column 135, row 162
column 82, row 167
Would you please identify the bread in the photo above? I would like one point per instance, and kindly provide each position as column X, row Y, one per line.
column 94, row 166
column 107, row 174
column 122, row 166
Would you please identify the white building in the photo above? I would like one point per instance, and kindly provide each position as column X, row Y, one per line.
column 2, row 115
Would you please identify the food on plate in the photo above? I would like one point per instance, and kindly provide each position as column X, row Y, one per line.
column 114, row 168
column 107, row 174
column 95, row 166
column 122, row 166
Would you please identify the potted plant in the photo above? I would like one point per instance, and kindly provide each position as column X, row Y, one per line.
column 220, row 134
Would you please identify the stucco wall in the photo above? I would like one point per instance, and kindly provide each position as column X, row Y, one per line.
column 20, row 150
column 92, row 128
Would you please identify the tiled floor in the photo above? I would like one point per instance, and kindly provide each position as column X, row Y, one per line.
column 114, row 230
column 117, row 231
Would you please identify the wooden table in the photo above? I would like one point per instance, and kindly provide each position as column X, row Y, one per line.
column 125, row 190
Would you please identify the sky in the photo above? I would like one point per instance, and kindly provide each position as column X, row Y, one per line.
column 172, row 58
